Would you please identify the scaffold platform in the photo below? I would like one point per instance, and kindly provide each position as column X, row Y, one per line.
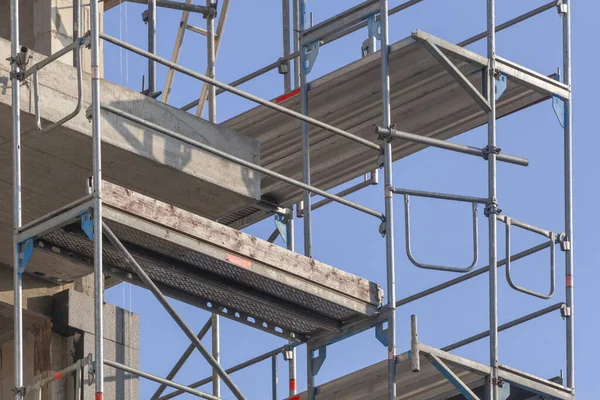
column 425, row 99
column 214, row 267
column 435, row 382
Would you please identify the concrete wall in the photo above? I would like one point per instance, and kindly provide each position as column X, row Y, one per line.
column 56, row 340
column 46, row 26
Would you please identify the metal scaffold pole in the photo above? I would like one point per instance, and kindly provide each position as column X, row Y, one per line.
column 305, row 135
column 568, row 165
column 296, row 40
column 212, row 117
column 389, row 206
column 16, row 131
column 492, row 208
column 292, row 352
column 97, row 194
column 151, row 46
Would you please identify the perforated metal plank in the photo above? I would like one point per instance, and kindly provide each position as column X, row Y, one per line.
column 425, row 100
column 206, row 262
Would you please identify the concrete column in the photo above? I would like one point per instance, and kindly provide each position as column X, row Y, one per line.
column 47, row 26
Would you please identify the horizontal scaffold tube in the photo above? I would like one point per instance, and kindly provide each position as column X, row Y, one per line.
column 158, row 379
column 241, row 162
column 442, row 144
column 241, row 93
column 231, row 370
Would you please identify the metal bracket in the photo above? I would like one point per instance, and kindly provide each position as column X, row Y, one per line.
column 288, row 355
column 212, row 11
column 19, row 391
column 565, row 245
column 492, row 208
column 381, row 333
column 91, row 370
column 281, row 225
column 565, row 311
column 374, row 26
column 146, row 16
column 317, row 362
column 283, row 66
column 501, row 85
column 383, row 228
column 562, row 8
column 311, row 55
column 87, row 225
column 25, row 251
column 489, row 150
column 504, row 391
column 558, row 105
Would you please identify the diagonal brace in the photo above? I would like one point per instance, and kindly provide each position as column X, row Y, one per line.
column 456, row 74
column 188, row 352
column 169, row 308
column 452, row 377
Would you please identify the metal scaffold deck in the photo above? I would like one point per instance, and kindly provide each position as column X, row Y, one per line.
column 410, row 95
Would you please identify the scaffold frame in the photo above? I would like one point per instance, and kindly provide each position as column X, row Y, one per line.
column 374, row 15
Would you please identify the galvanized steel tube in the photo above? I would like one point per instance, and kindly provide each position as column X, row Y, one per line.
column 97, row 194
column 568, row 165
column 16, row 134
column 151, row 46
column 389, row 205
column 493, row 274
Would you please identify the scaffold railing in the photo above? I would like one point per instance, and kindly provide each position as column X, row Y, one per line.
column 89, row 209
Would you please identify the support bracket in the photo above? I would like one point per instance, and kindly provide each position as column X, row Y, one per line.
column 312, row 52
column 87, row 225
column 558, row 105
column 317, row 362
column 501, row 85
column 281, row 225
column 452, row 377
column 460, row 78
column 25, row 249
column 374, row 26
column 381, row 333
column 562, row 8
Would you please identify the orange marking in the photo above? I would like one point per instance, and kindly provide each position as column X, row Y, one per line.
column 58, row 375
column 287, row 95
column 292, row 384
column 239, row 261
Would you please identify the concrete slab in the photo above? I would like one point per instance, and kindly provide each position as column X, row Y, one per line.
column 56, row 164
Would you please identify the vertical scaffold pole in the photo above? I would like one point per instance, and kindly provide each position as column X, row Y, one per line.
column 305, row 136
column 296, row 36
column 97, row 194
column 568, row 165
column 212, row 117
column 285, row 12
column 492, row 209
column 16, row 131
column 389, row 205
column 151, row 46
column 292, row 359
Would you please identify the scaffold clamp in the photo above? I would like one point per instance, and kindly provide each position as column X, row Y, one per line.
column 374, row 26
column 25, row 251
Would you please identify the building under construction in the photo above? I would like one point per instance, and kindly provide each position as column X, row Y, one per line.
column 103, row 185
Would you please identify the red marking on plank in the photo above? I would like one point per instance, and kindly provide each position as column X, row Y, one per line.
column 239, row 261
column 287, row 95
column 58, row 375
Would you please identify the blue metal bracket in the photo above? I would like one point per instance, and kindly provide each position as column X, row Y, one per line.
column 311, row 55
column 281, row 225
column 317, row 362
column 504, row 391
column 501, row 85
column 87, row 225
column 559, row 109
column 381, row 334
column 25, row 251
column 374, row 26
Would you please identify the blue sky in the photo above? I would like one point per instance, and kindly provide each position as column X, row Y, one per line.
column 349, row 240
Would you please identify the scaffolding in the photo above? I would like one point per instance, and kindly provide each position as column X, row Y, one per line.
column 495, row 80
